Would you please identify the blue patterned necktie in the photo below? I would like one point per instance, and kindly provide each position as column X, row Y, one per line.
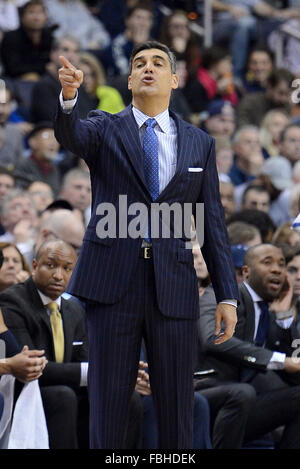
column 151, row 163
column 263, row 325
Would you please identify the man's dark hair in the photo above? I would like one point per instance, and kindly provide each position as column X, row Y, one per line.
column 254, row 187
column 212, row 55
column 240, row 232
column 31, row 3
column 260, row 219
column 278, row 75
column 153, row 45
column 141, row 5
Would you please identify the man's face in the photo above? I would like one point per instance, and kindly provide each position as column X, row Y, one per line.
column 78, row 193
column 260, row 65
column 257, row 200
column 221, row 124
column 227, row 198
column 290, row 146
column 34, row 17
column 44, row 144
column 293, row 273
column 267, row 272
column 151, row 75
column 280, row 95
column 248, row 144
column 68, row 49
column 52, row 272
column 19, row 208
column 6, row 183
column 41, row 194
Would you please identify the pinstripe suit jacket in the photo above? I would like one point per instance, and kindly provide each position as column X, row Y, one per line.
column 110, row 145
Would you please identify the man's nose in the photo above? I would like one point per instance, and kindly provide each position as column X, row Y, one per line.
column 58, row 273
column 149, row 66
column 277, row 268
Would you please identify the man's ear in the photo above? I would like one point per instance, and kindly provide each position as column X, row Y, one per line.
column 174, row 81
column 129, row 82
column 245, row 271
column 34, row 266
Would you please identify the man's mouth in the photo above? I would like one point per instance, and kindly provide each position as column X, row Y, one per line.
column 275, row 284
column 56, row 286
column 148, row 80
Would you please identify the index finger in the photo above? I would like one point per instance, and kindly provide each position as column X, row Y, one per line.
column 65, row 63
column 227, row 334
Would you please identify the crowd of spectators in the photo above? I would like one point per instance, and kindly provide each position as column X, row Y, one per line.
column 236, row 91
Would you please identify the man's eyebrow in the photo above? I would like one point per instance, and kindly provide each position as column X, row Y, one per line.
column 142, row 57
column 56, row 259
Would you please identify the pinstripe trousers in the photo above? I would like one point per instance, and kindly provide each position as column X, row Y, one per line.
column 115, row 332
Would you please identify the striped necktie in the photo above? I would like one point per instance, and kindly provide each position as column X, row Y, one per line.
column 151, row 162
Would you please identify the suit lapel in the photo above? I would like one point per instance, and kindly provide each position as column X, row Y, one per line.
column 129, row 134
column 68, row 328
column 249, row 314
column 184, row 135
column 39, row 309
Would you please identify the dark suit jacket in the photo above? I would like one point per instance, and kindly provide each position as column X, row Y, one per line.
column 110, row 145
column 239, row 353
column 27, row 318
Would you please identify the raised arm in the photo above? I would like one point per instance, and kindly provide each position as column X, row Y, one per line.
column 81, row 137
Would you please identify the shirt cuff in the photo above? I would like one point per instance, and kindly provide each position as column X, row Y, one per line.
column 277, row 361
column 285, row 323
column 230, row 302
column 84, row 373
column 67, row 105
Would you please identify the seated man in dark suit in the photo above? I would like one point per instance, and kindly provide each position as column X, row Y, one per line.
column 41, row 318
column 27, row 311
column 260, row 352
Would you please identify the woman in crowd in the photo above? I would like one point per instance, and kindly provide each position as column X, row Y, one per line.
column 14, row 268
column 106, row 97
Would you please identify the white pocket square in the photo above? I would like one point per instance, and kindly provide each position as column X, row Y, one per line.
column 195, row 170
column 77, row 343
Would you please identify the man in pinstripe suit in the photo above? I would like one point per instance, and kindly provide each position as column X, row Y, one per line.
column 133, row 289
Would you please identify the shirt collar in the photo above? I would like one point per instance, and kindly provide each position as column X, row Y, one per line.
column 255, row 297
column 162, row 119
column 45, row 299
